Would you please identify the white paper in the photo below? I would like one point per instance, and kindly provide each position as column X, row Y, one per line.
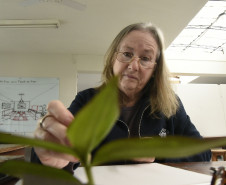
column 143, row 174
column 23, row 101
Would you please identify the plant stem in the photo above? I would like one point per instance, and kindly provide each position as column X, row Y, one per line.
column 89, row 175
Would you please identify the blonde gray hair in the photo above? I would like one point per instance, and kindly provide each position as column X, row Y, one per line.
column 162, row 97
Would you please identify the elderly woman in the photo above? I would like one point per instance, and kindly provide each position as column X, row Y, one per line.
column 149, row 106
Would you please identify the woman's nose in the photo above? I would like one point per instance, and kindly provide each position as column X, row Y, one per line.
column 134, row 64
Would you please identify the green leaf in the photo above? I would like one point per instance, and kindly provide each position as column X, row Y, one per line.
column 95, row 120
column 8, row 138
column 21, row 169
column 169, row 147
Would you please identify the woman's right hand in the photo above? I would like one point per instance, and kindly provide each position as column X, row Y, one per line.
column 53, row 129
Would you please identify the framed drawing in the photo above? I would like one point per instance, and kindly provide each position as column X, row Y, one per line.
column 23, row 101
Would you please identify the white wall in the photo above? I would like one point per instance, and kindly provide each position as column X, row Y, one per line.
column 89, row 70
column 36, row 65
column 64, row 67
column 197, row 65
column 205, row 105
column 89, row 63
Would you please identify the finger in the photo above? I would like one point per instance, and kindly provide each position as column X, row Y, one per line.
column 52, row 129
column 41, row 121
column 60, row 112
column 56, row 129
column 46, row 136
column 45, row 155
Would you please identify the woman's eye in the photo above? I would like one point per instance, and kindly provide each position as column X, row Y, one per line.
column 146, row 59
column 128, row 54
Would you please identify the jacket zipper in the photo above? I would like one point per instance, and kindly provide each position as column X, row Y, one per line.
column 139, row 122
column 126, row 127
column 141, row 119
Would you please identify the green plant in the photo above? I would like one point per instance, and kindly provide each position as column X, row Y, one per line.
column 88, row 129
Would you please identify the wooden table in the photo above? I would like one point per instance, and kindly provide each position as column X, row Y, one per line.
column 8, row 152
column 218, row 152
column 200, row 167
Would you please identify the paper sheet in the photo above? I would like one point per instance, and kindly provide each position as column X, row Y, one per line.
column 143, row 174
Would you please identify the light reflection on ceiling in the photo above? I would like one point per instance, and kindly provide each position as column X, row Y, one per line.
column 205, row 33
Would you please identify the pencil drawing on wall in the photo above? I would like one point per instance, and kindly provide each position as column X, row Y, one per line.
column 23, row 102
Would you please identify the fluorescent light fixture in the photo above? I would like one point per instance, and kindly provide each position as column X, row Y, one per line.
column 26, row 23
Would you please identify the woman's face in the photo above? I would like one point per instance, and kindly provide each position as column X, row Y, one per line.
column 133, row 76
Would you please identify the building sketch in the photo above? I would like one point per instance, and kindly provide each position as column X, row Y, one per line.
column 22, row 110
column 23, row 101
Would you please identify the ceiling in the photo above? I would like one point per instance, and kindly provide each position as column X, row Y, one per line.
column 90, row 30
column 205, row 33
